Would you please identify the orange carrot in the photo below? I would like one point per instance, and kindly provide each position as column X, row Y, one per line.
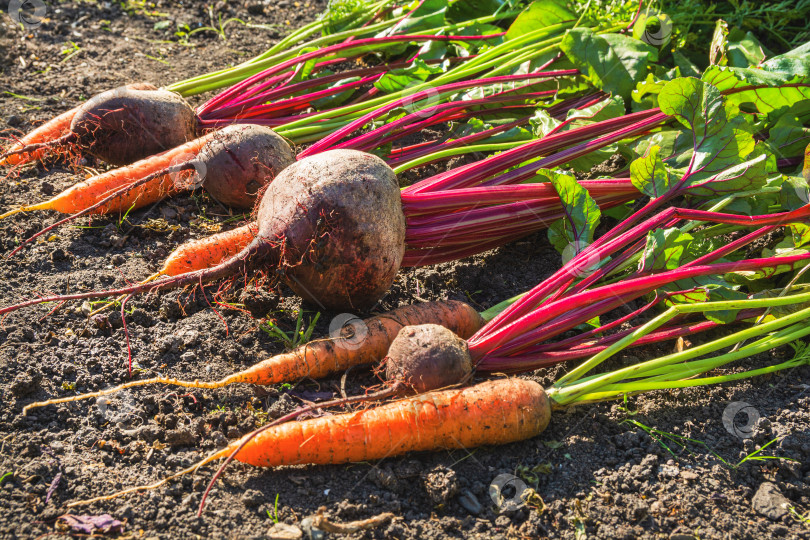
column 208, row 251
column 49, row 131
column 360, row 343
column 200, row 254
column 493, row 412
column 87, row 193
column 57, row 135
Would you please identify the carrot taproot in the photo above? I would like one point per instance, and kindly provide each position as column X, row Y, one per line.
column 233, row 164
column 199, row 254
column 85, row 194
column 497, row 411
column 208, row 251
column 493, row 412
column 51, row 130
column 359, row 342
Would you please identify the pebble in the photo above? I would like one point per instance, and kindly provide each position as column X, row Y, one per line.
column 670, row 471
column 282, row 531
column 768, row 501
column 469, row 502
column 310, row 530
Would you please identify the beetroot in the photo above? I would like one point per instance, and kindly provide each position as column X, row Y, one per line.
column 240, row 161
column 427, row 357
column 127, row 124
column 339, row 217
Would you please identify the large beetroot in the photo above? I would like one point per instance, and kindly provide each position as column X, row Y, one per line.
column 340, row 217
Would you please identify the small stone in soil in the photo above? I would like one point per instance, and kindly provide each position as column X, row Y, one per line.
column 282, row 531
column 768, row 501
column 469, row 502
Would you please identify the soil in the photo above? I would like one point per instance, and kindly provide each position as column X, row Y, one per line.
column 596, row 473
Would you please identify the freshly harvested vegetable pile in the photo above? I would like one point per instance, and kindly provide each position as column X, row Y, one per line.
column 310, row 268
column 512, row 341
column 242, row 161
column 711, row 175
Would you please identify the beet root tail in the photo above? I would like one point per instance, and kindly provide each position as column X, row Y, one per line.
column 229, row 267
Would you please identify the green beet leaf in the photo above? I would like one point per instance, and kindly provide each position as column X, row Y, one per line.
column 399, row 79
column 650, row 175
column 664, row 249
column 613, row 63
column 539, row 14
column 574, row 232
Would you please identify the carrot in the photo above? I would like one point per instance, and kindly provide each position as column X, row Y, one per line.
column 359, row 343
column 194, row 255
column 85, row 194
column 232, row 164
column 53, row 129
column 208, row 251
column 493, row 412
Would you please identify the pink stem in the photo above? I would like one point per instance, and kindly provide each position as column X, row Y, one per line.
column 514, row 332
column 476, row 172
column 240, row 88
column 331, row 141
